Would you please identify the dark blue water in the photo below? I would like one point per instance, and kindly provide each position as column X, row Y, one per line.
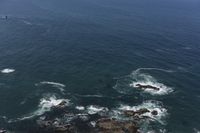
column 94, row 47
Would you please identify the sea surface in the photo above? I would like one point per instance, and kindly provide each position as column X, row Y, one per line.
column 92, row 53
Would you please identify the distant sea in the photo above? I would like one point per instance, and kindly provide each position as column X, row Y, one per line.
column 92, row 53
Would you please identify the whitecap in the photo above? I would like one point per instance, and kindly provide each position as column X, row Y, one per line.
column 27, row 22
column 93, row 109
column 7, row 70
column 80, row 107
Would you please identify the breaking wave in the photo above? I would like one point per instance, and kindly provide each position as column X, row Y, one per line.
column 45, row 105
column 126, row 84
column 151, row 106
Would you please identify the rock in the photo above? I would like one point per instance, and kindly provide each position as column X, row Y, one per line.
column 3, row 131
column 67, row 128
column 142, row 111
column 129, row 113
column 56, row 126
column 45, row 124
column 61, row 105
column 154, row 112
column 147, row 87
column 132, row 113
column 107, row 125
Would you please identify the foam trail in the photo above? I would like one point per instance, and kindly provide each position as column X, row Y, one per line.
column 54, row 84
column 148, row 68
column 98, row 96
column 7, row 70
column 158, row 69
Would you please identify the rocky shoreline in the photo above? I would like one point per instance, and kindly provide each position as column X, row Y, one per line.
column 78, row 120
column 94, row 123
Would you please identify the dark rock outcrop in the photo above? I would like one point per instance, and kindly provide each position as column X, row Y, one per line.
column 140, row 86
column 154, row 112
column 107, row 125
column 56, row 126
column 131, row 113
column 61, row 105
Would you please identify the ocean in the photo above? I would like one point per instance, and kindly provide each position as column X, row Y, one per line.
column 92, row 54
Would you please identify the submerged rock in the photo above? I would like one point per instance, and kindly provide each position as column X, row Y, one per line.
column 140, row 86
column 107, row 125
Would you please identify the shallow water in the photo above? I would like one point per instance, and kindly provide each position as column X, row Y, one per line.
column 92, row 52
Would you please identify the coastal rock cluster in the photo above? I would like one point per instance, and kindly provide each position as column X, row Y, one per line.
column 93, row 122
column 55, row 115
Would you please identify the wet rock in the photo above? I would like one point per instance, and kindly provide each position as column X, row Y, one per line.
column 154, row 112
column 140, row 86
column 67, row 128
column 107, row 125
column 56, row 126
column 45, row 124
column 131, row 113
column 3, row 131
column 61, row 105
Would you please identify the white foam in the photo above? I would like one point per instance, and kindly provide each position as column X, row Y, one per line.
column 151, row 106
column 137, row 77
column 93, row 109
column 27, row 22
column 45, row 105
column 146, row 79
column 54, row 84
column 163, row 89
column 80, row 107
column 196, row 130
column 7, row 70
column 93, row 123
